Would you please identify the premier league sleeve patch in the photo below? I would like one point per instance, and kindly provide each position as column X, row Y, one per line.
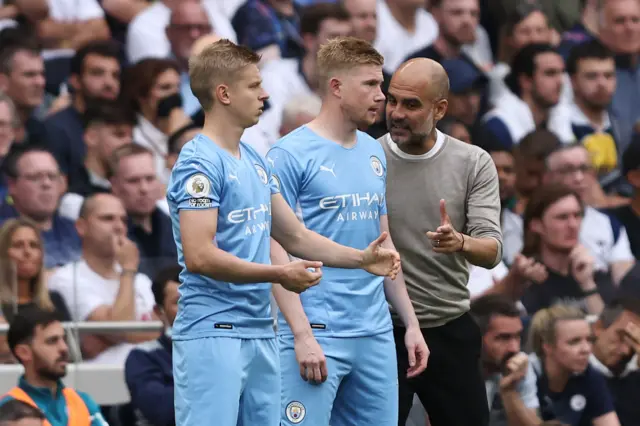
column 295, row 412
column 198, row 186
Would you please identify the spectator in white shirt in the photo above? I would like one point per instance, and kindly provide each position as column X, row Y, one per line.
column 404, row 26
column 105, row 284
column 147, row 38
column 603, row 235
column 72, row 24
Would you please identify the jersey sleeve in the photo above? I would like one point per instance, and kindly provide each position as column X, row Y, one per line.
column 286, row 174
column 196, row 185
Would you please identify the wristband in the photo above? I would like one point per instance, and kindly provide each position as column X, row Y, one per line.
column 590, row 292
column 462, row 246
column 129, row 272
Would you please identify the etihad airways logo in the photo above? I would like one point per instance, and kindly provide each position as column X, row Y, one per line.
column 255, row 219
column 364, row 206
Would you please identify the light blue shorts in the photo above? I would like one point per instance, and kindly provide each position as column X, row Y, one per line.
column 362, row 387
column 226, row 381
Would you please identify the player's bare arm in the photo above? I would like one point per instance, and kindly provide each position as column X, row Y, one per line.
column 201, row 256
column 395, row 290
column 292, row 235
column 313, row 364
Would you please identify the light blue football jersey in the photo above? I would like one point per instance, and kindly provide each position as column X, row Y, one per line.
column 340, row 194
column 207, row 177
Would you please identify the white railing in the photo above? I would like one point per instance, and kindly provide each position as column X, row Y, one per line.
column 105, row 383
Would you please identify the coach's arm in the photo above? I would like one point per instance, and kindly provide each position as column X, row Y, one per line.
column 483, row 236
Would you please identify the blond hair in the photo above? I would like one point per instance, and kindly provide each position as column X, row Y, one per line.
column 215, row 64
column 9, row 284
column 344, row 53
column 543, row 329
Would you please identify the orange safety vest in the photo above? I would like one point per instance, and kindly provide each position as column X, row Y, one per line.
column 77, row 410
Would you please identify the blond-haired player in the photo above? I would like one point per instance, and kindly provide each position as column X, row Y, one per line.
column 225, row 360
column 337, row 350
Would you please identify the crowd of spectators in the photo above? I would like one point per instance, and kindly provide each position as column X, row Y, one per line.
column 95, row 105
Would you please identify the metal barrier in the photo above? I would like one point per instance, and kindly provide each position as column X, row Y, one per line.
column 105, row 383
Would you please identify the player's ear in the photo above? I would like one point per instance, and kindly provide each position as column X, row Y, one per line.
column 222, row 94
column 335, row 86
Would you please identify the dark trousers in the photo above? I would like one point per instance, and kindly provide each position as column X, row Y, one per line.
column 451, row 389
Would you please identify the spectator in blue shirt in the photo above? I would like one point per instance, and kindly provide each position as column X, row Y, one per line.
column 35, row 185
column 569, row 389
column 37, row 339
column 264, row 25
column 95, row 75
column 148, row 370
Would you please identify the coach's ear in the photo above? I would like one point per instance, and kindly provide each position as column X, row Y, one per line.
column 440, row 109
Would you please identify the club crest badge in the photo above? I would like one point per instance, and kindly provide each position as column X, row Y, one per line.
column 198, row 186
column 276, row 181
column 376, row 165
column 296, row 412
column 262, row 173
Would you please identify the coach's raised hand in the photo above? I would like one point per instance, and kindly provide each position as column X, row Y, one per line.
column 446, row 239
column 300, row 275
column 381, row 261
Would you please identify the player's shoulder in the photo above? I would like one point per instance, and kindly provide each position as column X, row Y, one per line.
column 295, row 142
column 369, row 142
column 198, row 155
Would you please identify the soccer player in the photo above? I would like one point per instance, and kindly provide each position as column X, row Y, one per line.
column 340, row 332
column 225, row 359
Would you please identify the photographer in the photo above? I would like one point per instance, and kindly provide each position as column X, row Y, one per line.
column 509, row 379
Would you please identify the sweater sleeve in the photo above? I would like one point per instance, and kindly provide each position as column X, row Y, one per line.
column 483, row 202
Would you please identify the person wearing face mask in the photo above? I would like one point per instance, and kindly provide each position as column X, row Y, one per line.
column 148, row 369
column 569, row 389
column 616, row 354
column 448, row 189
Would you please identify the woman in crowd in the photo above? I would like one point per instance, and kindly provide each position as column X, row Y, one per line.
column 22, row 273
column 569, row 389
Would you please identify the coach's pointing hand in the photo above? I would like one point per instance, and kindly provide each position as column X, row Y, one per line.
column 381, row 261
column 298, row 277
column 446, row 239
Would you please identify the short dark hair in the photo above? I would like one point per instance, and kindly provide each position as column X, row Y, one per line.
column 592, row 49
column 538, row 145
column 524, row 63
column 562, row 148
column 15, row 410
column 170, row 273
column 23, row 326
column 10, row 165
column 484, row 308
column 175, row 138
column 312, row 16
column 108, row 112
column 102, row 48
column 613, row 310
column 9, row 51
column 125, row 151
column 521, row 12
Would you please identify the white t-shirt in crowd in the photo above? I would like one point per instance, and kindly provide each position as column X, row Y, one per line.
column 75, row 10
column 395, row 43
column 84, row 291
column 482, row 279
column 146, row 37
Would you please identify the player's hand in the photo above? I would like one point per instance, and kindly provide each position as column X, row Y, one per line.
column 632, row 338
column 313, row 364
column 300, row 275
column 418, row 351
column 445, row 239
column 381, row 261
column 515, row 371
column 127, row 253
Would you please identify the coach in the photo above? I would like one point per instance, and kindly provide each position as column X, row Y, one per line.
column 444, row 213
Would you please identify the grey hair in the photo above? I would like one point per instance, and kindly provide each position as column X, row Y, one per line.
column 15, row 120
column 304, row 104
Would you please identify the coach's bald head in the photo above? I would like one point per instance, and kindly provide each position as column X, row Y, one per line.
column 416, row 101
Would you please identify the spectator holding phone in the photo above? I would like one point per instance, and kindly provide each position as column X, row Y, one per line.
column 509, row 379
column 569, row 389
